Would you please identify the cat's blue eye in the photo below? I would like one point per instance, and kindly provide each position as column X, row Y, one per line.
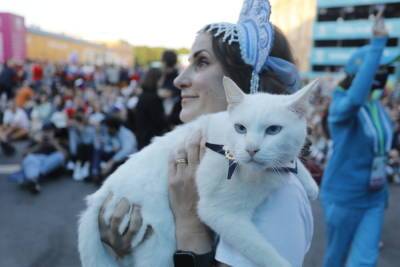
column 273, row 129
column 239, row 128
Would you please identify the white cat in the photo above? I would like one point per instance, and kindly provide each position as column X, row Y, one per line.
column 263, row 132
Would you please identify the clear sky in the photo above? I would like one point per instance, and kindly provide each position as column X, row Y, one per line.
column 168, row 23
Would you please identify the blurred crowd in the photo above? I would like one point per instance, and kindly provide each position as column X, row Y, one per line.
column 87, row 119
column 82, row 119
column 321, row 142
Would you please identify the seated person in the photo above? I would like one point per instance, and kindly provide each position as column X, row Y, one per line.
column 81, row 139
column 15, row 126
column 24, row 95
column 116, row 144
column 41, row 158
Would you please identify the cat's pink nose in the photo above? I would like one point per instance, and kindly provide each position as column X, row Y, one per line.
column 252, row 152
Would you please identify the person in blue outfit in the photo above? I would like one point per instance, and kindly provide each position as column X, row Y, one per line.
column 353, row 191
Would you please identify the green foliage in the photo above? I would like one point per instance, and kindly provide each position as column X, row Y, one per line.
column 144, row 55
column 183, row 51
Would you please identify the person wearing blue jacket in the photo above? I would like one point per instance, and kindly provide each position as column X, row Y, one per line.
column 354, row 190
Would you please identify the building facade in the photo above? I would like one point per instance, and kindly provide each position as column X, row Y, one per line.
column 295, row 18
column 342, row 26
column 43, row 45
column 12, row 37
column 18, row 42
column 324, row 33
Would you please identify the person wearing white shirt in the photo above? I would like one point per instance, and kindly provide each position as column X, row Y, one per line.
column 15, row 126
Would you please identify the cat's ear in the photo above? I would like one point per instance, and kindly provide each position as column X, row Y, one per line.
column 300, row 101
column 234, row 95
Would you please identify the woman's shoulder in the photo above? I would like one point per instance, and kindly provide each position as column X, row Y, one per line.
column 285, row 215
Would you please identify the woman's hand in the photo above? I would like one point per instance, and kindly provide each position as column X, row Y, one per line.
column 379, row 28
column 120, row 244
column 191, row 233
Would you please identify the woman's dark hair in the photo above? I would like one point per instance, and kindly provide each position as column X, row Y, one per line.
column 150, row 79
column 234, row 67
column 170, row 58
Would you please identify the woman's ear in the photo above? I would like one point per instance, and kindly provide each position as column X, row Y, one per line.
column 300, row 101
column 234, row 95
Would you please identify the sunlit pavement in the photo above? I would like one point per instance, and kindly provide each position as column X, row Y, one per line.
column 40, row 231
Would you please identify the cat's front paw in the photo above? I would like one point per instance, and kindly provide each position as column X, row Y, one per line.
column 312, row 191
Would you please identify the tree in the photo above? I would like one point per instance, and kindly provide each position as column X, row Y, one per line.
column 144, row 55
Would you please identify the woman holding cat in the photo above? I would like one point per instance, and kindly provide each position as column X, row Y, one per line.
column 217, row 52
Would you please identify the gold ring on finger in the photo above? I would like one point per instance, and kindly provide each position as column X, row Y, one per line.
column 181, row 161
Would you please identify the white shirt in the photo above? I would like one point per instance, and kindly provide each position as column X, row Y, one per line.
column 59, row 119
column 285, row 220
column 17, row 119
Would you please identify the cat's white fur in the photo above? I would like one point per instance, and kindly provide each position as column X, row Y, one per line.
column 225, row 205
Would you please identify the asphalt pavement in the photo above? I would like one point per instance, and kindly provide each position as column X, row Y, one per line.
column 41, row 230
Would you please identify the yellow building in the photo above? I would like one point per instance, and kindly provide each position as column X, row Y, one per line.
column 295, row 18
column 42, row 45
column 121, row 52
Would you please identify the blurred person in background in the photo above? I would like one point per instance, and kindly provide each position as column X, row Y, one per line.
column 354, row 189
column 37, row 75
column 43, row 108
column 393, row 168
column 42, row 158
column 96, row 115
column 132, row 99
column 49, row 72
column 59, row 116
column 40, row 114
column 24, row 95
column 112, row 75
column 116, row 144
column 15, row 126
column 81, row 137
column 168, row 91
column 394, row 159
column 150, row 116
column 8, row 78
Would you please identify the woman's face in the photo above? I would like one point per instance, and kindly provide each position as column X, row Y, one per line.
column 201, row 82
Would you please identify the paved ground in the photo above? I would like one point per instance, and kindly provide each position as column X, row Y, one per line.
column 390, row 256
column 40, row 231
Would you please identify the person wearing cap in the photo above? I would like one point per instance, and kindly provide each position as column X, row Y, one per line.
column 261, row 62
column 42, row 157
column 354, row 188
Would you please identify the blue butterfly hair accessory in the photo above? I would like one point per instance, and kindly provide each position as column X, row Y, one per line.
column 255, row 35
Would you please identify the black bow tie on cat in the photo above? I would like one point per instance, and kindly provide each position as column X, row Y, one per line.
column 232, row 164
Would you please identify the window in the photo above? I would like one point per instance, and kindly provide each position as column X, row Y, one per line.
column 392, row 10
column 392, row 42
